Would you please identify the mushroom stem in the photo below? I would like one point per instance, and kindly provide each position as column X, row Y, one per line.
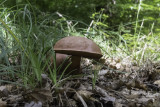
column 75, row 63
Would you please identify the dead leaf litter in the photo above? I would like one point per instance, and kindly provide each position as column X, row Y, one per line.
column 117, row 85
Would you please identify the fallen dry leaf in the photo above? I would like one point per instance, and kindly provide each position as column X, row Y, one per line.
column 5, row 90
column 157, row 82
column 14, row 99
column 43, row 95
column 118, row 66
column 104, row 95
column 81, row 99
column 3, row 103
column 103, row 72
column 86, row 95
column 33, row 104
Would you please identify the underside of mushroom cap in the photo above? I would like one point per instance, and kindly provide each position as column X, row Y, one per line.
column 78, row 46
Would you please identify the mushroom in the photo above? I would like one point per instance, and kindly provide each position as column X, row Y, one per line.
column 60, row 58
column 77, row 47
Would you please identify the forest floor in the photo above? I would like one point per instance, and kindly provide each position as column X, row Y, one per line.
column 118, row 84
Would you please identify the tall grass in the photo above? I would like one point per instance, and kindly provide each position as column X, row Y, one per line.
column 5, row 46
column 137, row 47
column 27, row 34
column 30, row 38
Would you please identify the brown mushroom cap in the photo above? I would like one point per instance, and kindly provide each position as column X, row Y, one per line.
column 78, row 46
